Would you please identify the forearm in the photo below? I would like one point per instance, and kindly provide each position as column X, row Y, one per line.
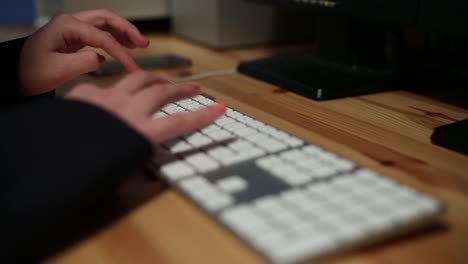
column 61, row 161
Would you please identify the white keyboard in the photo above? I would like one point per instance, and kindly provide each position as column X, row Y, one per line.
column 289, row 201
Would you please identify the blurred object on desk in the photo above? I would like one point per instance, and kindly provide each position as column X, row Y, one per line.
column 133, row 10
column 228, row 23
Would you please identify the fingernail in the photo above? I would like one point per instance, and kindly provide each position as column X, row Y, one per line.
column 220, row 106
column 194, row 85
column 146, row 42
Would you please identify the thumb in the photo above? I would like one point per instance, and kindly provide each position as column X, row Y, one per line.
column 78, row 63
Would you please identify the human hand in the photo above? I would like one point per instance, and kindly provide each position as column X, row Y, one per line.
column 138, row 96
column 53, row 55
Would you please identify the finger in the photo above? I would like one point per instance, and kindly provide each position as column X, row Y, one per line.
column 122, row 38
column 181, row 124
column 75, row 64
column 137, row 81
column 105, row 18
column 134, row 37
column 70, row 66
column 79, row 32
column 153, row 98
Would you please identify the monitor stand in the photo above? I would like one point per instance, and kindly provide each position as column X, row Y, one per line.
column 355, row 58
column 351, row 58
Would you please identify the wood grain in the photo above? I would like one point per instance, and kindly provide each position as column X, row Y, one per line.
column 389, row 132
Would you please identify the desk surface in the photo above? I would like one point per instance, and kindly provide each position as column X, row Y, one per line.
column 388, row 132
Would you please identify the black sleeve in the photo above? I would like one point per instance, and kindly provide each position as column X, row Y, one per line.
column 9, row 65
column 60, row 161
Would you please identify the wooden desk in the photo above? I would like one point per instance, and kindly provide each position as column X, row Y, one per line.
column 388, row 132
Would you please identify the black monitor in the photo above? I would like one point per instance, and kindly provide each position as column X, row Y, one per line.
column 363, row 46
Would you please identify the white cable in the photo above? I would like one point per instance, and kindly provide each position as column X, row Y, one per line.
column 203, row 75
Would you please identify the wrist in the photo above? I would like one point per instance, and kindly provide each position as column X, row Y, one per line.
column 10, row 78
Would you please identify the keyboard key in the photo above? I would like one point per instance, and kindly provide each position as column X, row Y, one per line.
column 243, row 219
column 276, row 209
column 269, row 204
column 220, row 153
column 196, row 182
column 180, row 147
column 312, row 150
column 202, row 162
column 270, row 145
column 185, row 102
column 240, row 145
column 198, row 98
column 159, row 115
column 207, row 101
column 268, row 129
column 297, row 178
column 254, row 123
column 343, row 165
column 232, row 184
column 270, row 162
column 294, row 155
column 206, row 193
column 195, row 107
column 303, row 247
column 293, row 142
column 223, row 121
column 284, row 171
column 241, row 157
column 220, row 135
column 234, row 126
column 245, row 132
column 296, row 196
column 210, row 128
column 217, row 203
column 174, row 110
column 198, row 140
column 169, row 107
column 233, row 114
column 244, row 119
column 258, row 137
column 280, row 135
column 177, row 170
